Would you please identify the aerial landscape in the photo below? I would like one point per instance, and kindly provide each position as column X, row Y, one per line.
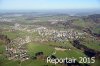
column 49, row 37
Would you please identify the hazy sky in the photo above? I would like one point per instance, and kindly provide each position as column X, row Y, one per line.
column 49, row 4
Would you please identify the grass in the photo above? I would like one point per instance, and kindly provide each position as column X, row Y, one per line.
column 2, row 47
column 10, row 63
column 66, row 44
column 80, row 22
column 93, row 44
column 48, row 50
column 97, row 63
column 36, row 47
column 36, row 63
column 11, row 35
column 96, row 30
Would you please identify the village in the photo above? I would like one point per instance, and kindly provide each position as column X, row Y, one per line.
column 17, row 50
column 51, row 34
column 59, row 35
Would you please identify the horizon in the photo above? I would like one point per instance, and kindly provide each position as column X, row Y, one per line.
column 57, row 11
column 48, row 4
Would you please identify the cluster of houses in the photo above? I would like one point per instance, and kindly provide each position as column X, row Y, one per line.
column 16, row 49
column 6, row 19
column 55, row 35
